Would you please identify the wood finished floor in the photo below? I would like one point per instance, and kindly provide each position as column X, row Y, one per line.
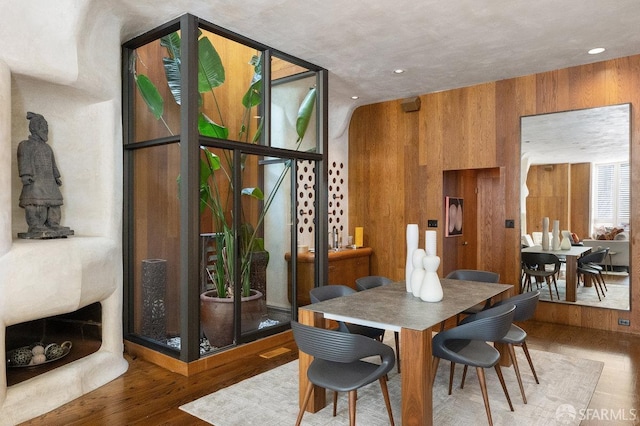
column 150, row 395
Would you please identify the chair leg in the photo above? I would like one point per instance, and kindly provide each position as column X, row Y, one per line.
column 397, row 337
column 555, row 284
column 595, row 283
column 512, row 355
column 602, row 278
column 526, row 353
column 485, row 396
column 387, row 401
column 335, row 403
column 548, row 280
column 504, row 385
column 352, row 407
column 303, row 407
column 452, row 369
column 434, row 369
column 464, row 376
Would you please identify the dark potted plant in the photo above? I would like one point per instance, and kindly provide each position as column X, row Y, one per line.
column 216, row 172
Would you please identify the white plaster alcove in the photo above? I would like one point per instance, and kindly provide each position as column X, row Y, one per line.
column 72, row 78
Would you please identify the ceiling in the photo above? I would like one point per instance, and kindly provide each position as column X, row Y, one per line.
column 580, row 136
column 440, row 44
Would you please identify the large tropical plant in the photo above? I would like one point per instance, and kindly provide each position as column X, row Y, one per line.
column 215, row 171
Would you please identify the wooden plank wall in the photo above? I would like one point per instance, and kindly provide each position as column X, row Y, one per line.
column 397, row 162
column 559, row 191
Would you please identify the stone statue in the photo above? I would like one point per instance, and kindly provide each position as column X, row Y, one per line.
column 41, row 198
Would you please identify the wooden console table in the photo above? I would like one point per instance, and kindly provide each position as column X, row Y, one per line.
column 344, row 267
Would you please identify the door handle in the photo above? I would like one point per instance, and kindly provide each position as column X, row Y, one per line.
column 465, row 243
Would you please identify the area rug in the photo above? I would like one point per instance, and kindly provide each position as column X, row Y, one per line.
column 270, row 399
column 616, row 295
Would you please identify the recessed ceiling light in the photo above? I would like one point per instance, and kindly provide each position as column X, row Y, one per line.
column 596, row 51
column 355, row 97
column 398, row 71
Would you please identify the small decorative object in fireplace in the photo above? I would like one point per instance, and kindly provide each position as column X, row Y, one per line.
column 37, row 353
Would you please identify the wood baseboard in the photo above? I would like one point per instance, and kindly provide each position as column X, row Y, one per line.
column 217, row 360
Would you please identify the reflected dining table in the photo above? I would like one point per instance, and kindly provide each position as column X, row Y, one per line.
column 571, row 258
column 391, row 307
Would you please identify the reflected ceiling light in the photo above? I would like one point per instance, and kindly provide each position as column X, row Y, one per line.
column 398, row 71
column 596, row 51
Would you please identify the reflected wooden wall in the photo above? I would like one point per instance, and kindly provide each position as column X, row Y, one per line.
column 397, row 162
column 559, row 192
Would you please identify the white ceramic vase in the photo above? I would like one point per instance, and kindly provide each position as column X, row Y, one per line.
column 417, row 274
column 412, row 245
column 565, row 244
column 545, row 233
column 555, row 235
column 431, row 289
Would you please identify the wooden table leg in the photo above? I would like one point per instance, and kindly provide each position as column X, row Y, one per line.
column 318, row 398
column 417, row 394
column 570, row 277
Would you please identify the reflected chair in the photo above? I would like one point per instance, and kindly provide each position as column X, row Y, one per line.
column 467, row 344
column 540, row 266
column 526, row 304
column 372, row 281
column 338, row 364
column 595, row 260
column 319, row 294
column 474, row 275
column 589, row 265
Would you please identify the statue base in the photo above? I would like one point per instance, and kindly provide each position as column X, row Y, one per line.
column 47, row 234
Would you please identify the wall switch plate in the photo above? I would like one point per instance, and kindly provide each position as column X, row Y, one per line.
column 509, row 223
column 622, row 321
column 432, row 223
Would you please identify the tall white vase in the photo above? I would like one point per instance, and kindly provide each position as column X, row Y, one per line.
column 545, row 233
column 555, row 234
column 565, row 243
column 417, row 275
column 430, row 242
column 431, row 289
column 412, row 245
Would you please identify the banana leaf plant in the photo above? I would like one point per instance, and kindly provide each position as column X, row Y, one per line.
column 211, row 74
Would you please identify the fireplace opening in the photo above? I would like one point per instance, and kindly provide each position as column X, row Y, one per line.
column 81, row 328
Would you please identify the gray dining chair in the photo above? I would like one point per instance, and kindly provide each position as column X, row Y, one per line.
column 372, row 281
column 338, row 365
column 474, row 275
column 540, row 266
column 589, row 264
column 467, row 344
column 526, row 304
column 326, row 292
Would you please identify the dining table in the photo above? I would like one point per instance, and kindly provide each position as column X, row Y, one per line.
column 391, row 307
column 571, row 261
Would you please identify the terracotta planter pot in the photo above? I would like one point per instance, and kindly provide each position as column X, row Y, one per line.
column 216, row 316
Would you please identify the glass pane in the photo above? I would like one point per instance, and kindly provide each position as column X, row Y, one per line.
column 230, row 83
column 306, row 229
column 277, row 237
column 292, row 104
column 216, row 237
column 263, row 238
column 156, row 255
column 156, row 112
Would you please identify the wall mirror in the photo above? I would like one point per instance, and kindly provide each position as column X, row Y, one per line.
column 576, row 169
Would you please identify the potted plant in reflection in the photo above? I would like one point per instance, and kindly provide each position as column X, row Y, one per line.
column 217, row 188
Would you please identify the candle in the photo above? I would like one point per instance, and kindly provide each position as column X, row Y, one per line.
column 359, row 238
